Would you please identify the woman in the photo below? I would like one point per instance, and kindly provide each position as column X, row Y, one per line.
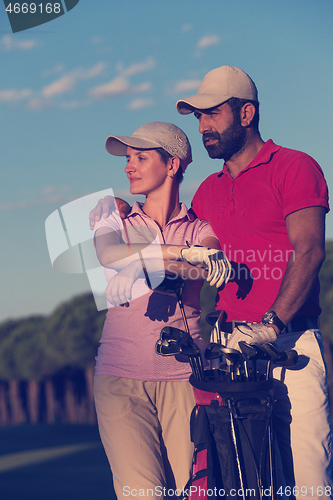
column 143, row 401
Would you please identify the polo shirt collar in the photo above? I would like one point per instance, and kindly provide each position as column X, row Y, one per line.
column 137, row 210
column 264, row 156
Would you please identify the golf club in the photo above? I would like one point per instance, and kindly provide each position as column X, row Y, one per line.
column 193, row 352
column 173, row 334
column 166, row 348
column 251, row 354
column 214, row 319
column 234, row 357
column 234, row 439
column 279, row 358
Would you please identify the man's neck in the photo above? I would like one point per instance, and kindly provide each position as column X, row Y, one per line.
column 238, row 162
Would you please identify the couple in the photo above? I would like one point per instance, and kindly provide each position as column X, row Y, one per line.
column 267, row 208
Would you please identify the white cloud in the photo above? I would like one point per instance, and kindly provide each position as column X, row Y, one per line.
column 140, row 103
column 8, row 42
column 92, row 72
column 208, row 40
column 63, row 84
column 37, row 103
column 139, row 89
column 186, row 85
column 12, row 95
column 50, row 95
column 69, row 81
column 134, row 69
column 121, row 85
column 117, row 86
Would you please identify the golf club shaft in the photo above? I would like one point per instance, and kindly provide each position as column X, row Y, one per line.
column 234, row 438
column 182, row 310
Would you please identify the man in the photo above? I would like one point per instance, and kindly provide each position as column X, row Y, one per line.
column 267, row 206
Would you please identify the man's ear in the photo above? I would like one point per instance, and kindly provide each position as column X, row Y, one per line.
column 247, row 113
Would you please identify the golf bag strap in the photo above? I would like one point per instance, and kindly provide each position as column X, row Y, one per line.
column 202, row 477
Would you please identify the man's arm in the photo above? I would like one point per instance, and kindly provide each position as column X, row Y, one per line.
column 306, row 231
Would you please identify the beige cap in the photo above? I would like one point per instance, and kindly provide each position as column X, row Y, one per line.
column 218, row 86
column 152, row 136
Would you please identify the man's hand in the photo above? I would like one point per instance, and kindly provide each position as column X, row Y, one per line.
column 216, row 262
column 119, row 289
column 104, row 208
column 252, row 333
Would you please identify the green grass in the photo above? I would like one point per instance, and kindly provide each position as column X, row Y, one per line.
column 82, row 475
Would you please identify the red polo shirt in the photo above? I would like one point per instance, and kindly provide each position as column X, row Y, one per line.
column 248, row 215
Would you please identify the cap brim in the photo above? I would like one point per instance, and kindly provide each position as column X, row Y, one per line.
column 117, row 145
column 200, row 101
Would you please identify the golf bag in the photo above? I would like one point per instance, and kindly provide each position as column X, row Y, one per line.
column 233, row 440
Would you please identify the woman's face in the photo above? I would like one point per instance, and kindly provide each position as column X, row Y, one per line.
column 145, row 170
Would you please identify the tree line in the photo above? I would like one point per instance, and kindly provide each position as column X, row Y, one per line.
column 47, row 362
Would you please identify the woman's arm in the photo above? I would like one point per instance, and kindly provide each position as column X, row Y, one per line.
column 119, row 289
column 114, row 253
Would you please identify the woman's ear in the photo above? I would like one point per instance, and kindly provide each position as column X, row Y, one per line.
column 173, row 165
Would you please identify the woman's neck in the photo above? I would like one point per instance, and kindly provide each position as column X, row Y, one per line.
column 162, row 208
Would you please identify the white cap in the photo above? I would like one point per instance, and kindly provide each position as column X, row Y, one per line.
column 218, row 86
column 152, row 136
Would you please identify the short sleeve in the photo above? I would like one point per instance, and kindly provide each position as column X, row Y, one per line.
column 107, row 224
column 205, row 231
column 302, row 185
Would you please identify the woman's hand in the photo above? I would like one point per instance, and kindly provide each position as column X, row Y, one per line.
column 119, row 289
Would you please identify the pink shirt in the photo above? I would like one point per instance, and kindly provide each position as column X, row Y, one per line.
column 129, row 334
column 248, row 216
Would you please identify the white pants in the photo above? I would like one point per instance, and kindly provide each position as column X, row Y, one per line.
column 145, row 431
column 302, row 418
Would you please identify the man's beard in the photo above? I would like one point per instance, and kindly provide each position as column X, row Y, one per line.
column 229, row 142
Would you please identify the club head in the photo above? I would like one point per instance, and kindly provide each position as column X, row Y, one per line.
column 171, row 285
column 165, row 348
column 213, row 316
column 287, row 358
column 249, row 350
column 231, row 355
column 188, row 348
column 172, row 334
column 261, row 353
column 213, row 351
column 271, row 350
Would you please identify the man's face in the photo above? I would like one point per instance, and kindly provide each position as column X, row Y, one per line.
column 222, row 133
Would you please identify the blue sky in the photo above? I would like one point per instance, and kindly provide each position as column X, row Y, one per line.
column 106, row 68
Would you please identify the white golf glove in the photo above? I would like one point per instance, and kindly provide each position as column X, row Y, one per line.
column 215, row 261
column 252, row 333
